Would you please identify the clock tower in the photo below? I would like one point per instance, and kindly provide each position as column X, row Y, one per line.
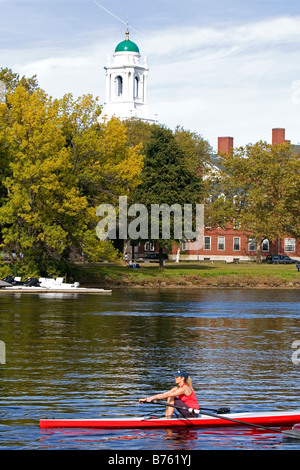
column 126, row 83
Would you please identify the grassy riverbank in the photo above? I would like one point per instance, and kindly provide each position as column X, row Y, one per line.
column 190, row 275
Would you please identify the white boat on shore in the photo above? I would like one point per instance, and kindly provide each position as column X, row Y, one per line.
column 50, row 285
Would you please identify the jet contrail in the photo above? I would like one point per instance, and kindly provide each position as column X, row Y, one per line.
column 126, row 23
column 115, row 16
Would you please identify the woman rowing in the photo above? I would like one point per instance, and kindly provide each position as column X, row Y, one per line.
column 182, row 395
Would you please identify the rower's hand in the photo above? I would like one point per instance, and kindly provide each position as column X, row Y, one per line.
column 146, row 400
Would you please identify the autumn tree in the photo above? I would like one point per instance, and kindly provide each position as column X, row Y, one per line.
column 44, row 208
column 59, row 163
column 106, row 165
column 9, row 81
column 12, row 80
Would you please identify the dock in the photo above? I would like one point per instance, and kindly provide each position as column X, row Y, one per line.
column 53, row 290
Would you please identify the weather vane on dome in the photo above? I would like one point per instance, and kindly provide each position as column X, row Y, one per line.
column 127, row 31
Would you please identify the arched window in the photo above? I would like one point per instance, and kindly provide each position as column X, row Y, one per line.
column 119, row 85
column 136, row 87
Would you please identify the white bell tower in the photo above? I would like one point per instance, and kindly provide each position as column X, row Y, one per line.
column 126, row 83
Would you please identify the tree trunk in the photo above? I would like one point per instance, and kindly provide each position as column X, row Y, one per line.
column 258, row 251
column 161, row 257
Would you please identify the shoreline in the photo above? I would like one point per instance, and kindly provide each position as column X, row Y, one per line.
column 108, row 276
column 259, row 287
column 200, row 283
column 190, row 275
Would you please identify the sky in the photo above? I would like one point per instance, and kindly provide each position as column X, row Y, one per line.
column 216, row 67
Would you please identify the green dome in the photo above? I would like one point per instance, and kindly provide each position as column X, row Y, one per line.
column 127, row 46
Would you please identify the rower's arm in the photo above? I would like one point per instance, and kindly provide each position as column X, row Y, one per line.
column 160, row 396
column 172, row 393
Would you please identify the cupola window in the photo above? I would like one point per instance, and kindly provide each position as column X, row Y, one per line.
column 136, row 87
column 119, row 85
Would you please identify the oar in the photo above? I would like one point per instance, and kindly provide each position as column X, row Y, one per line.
column 289, row 433
column 219, row 411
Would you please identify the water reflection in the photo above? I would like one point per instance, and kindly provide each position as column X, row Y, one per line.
column 95, row 356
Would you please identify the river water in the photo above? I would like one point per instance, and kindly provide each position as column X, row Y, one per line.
column 75, row 355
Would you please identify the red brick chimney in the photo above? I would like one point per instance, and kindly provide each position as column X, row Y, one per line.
column 278, row 136
column 225, row 145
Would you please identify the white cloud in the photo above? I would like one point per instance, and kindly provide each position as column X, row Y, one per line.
column 234, row 81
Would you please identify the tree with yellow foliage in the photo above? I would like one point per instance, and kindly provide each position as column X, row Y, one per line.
column 60, row 163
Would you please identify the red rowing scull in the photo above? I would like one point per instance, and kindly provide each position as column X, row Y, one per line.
column 267, row 418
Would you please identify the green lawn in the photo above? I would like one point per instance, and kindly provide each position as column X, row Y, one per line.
column 191, row 274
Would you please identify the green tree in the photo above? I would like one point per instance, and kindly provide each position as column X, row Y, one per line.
column 166, row 179
column 258, row 190
column 197, row 150
column 139, row 131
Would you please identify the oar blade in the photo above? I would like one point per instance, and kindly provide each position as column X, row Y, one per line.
column 292, row 433
column 222, row 410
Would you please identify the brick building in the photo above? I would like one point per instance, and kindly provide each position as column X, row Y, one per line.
column 230, row 244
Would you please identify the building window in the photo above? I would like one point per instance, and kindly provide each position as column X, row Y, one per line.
column 251, row 244
column 289, row 244
column 236, row 243
column 136, row 87
column 207, row 243
column 265, row 245
column 221, row 243
column 119, row 85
